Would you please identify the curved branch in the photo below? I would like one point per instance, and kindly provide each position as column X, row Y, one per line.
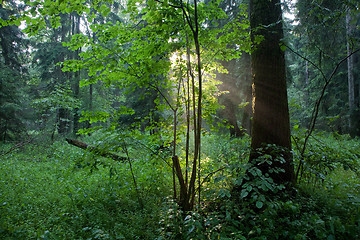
column 317, row 104
column 315, row 111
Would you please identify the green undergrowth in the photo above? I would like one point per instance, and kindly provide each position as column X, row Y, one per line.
column 45, row 193
column 59, row 191
column 303, row 213
column 324, row 205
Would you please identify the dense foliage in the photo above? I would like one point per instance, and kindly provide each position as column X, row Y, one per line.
column 13, row 76
column 62, row 192
column 158, row 96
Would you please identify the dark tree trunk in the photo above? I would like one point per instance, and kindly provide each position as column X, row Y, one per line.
column 88, row 125
column 270, row 107
column 76, row 76
column 63, row 113
column 231, row 99
column 63, row 120
column 353, row 83
column 247, row 111
column 357, row 98
column 230, row 114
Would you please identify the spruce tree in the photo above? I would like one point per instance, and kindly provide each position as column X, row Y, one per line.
column 12, row 74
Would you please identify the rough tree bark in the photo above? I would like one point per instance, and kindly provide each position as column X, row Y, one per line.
column 270, row 106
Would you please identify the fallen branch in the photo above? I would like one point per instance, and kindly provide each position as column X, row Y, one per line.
column 96, row 150
column 17, row 146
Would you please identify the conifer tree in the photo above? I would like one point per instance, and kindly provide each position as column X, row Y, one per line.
column 12, row 75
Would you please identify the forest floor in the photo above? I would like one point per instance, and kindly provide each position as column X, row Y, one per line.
column 61, row 192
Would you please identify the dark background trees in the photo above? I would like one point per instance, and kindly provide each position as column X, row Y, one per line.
column 236, row 82
column 321, row 37
column 13, row 71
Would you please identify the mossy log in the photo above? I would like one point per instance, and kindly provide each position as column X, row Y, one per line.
column 96, row 150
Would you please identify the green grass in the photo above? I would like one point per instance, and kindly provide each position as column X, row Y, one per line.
column 44, row 195
column 61, row 192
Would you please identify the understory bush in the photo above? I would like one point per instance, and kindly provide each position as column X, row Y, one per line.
column 59, row 191
column 305, row 214
column 258, row 208
column 55, row 193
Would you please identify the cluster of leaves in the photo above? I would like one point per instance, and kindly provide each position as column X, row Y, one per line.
column 134, row 54
column 60, row 97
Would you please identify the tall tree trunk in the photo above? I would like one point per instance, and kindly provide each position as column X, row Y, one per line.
column 247, row 111
column 63, row 113
column 270, row 106
column 231, row 99
column 350, row 75
column 307, row 74
column 76, row 76
column 90, row 102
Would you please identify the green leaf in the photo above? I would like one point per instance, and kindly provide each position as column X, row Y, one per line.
column 97, row 116
column 282, row 47
column 3, row 23
column 244, row 193
column 259, row 204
